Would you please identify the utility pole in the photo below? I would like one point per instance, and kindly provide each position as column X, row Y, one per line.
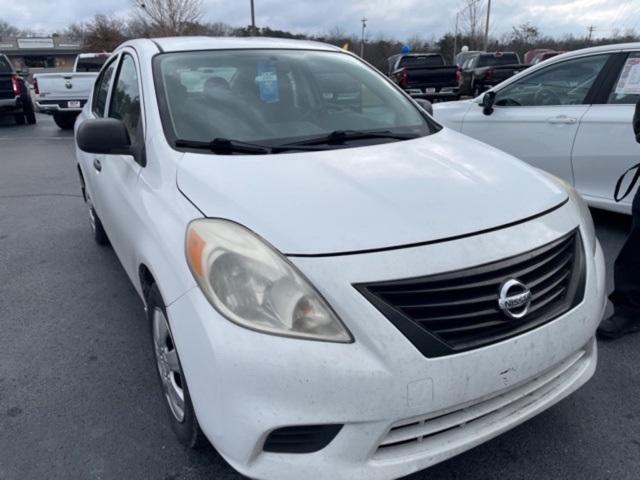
column 364, row 26
column 455, row 38
column 253, row 19
column 591, row 29
column 486, row 28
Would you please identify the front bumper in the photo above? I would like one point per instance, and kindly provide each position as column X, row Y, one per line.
column 245, row 384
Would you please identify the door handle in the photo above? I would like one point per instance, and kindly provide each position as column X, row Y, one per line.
column 562, row 120
column 97, row 164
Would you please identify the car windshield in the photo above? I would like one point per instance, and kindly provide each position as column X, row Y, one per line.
column 274, row 97
column 497, row 60
column 5, row 66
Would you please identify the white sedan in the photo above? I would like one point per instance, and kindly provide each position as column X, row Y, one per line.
column 336, row 286
column 570, row 115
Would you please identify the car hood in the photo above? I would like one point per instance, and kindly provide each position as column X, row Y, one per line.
column 368, row 198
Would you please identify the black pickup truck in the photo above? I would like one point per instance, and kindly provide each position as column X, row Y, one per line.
column 424, row 75
column 15, row 99
column 485, row 70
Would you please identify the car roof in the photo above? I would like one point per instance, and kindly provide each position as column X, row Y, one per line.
column 93, row 55
column 180, row 44
column 615, row 47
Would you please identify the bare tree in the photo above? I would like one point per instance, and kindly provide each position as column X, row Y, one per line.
column 75, row 31
column 169, row 17
column 8, row 30
column 471, row 20
column 103, row 34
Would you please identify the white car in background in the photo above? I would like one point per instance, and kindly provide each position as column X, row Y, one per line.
column 336, row 286
column 570, row 115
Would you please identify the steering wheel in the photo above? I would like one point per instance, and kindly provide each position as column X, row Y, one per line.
column 239, row 109
column 546, row 96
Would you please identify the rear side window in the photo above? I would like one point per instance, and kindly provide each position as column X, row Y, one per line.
column 101, row 91
column 125, row 101
column 626, row 90
column 5, row 66
column 565, row 83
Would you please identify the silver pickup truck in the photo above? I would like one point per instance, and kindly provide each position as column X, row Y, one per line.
column 64, row 94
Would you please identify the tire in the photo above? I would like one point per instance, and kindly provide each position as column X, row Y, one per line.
column 65, row 121
column 30, row 113
column 20, row 120
column 173, row 385
column 99, row 234
column 476, row 91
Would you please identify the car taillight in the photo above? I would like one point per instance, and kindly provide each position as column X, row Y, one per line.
column 15, row 85
column 488, row 75
column 404, row 78
column 458, row 75
column 35, row 86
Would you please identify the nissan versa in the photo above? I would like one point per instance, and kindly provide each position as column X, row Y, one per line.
column 336, row 285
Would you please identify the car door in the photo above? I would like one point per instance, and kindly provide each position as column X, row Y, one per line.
column 605, row 146
column 118, row 174
column 97, row 109
column 536, row 117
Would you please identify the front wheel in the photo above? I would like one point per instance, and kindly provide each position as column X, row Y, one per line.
column 476, row 91
column 65, row 121
column 182, row 416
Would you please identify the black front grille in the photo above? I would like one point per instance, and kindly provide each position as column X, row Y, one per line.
column 301, row 439
column 459, row 311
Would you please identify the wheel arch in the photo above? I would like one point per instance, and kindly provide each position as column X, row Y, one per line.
column 147, row 280
column 83, row 183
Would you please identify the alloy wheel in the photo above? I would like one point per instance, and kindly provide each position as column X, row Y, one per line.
column 168, row 365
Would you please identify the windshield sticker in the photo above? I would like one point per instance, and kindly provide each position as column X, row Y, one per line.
column 629, row 83
column 267, row 79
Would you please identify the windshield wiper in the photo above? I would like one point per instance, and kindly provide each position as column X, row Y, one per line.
column 338, row 137
column 226, row 146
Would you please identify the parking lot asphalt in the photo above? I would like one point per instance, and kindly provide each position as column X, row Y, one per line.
column 79, row 397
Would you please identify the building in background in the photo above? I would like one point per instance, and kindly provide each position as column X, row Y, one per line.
column 40, row 53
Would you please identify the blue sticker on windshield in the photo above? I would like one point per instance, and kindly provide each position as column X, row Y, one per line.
column 267, row 79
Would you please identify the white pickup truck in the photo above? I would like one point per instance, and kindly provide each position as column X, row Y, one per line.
column 64, row 94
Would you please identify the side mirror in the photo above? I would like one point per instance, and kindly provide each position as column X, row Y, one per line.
column 104, row 136
column 487, row 102
column 425, row 104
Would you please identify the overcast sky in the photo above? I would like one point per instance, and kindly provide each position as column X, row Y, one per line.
column 397, row 18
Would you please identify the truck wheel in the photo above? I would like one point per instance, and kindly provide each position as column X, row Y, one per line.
column 476, row 91
column 20, row 120
column 175, row 392
column 65, row 120
column 30, row 113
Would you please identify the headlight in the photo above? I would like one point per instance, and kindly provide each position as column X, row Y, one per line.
column 585, row 214
column 253, row 285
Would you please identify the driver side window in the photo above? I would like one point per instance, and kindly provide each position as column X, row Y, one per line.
column 565, row 83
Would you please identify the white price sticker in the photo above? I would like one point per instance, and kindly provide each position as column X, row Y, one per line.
column 629, row 83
